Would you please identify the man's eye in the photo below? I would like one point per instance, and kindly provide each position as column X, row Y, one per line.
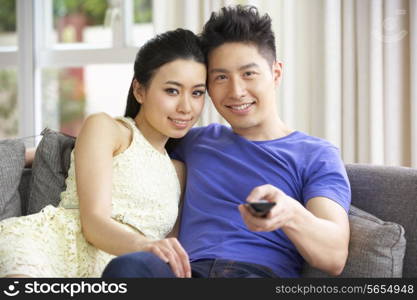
column 172, row 91
column 220, row 77
column 249, row 73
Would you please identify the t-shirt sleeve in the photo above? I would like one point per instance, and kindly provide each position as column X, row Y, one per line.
column 326, row 177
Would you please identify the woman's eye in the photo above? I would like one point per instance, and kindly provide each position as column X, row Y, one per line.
column 199, row 93
column 172, row 91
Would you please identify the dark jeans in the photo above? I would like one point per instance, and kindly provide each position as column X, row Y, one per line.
column 148, row 265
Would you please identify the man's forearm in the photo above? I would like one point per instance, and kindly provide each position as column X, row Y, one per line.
column 321, row 242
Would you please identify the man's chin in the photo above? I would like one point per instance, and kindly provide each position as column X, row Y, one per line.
column 239, row 121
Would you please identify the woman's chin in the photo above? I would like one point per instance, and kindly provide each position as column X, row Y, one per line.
column 177, row 134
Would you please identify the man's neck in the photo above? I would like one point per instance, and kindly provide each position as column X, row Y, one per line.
column 265, row 131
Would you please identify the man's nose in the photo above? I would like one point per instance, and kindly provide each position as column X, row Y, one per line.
column 237, row 88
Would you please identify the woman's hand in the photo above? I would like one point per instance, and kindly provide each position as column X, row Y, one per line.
column 171, row 251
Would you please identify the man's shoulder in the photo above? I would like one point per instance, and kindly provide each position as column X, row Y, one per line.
column 311, row 142
column 212, row 129
column 196, row 136
column 307, row 149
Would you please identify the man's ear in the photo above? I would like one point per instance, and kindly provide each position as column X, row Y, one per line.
column 138, row 91
column 277, row 71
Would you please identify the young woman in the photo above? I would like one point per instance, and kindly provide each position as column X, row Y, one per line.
column 123, row 190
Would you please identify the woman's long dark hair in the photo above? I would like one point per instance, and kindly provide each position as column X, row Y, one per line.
column 162, row 49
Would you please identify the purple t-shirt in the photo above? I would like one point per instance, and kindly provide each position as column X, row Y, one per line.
column 222, row 169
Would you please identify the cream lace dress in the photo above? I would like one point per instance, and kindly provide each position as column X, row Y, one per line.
column 50, row 243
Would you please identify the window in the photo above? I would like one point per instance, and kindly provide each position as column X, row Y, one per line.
column 71, row 94
column 78, row 47
column 8, row 23
column 78, row 21
column 8, row 71
column 8, row 103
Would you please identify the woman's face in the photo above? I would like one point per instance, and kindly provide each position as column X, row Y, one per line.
column 174, row 99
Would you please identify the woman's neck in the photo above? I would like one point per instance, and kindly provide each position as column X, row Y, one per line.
column 153, row 136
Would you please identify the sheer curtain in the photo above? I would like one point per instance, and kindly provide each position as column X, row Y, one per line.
column 350, row 70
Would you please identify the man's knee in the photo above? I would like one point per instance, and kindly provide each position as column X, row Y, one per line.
column 137, row 264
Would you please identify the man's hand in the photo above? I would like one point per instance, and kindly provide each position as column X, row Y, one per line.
column 278, row 216
column 171, row 251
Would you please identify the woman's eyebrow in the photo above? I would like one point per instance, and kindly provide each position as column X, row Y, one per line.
column 174, row 83
column 200, row 85
column 181, row 85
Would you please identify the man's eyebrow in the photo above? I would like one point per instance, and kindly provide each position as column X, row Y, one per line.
column 181, row 85
column 247, row 66
column 218, row 70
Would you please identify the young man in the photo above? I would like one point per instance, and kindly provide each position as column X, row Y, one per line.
column 259, row 158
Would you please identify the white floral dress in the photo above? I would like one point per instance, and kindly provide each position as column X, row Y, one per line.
column 145, row 197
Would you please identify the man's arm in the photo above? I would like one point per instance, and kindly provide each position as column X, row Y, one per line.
column 319, row 231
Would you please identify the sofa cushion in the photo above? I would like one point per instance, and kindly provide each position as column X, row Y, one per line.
column 49, row 169
column 376, row 248
column 12, row 160
column 389, row 193
column 24, row 189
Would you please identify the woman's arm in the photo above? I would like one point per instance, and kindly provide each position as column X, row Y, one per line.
column 181, row 173
column 100, row 138
column 29, row 157
column 95, row 146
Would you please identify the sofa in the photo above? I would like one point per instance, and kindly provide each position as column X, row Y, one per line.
column 383, row 215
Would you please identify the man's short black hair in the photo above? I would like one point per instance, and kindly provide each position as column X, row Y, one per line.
column 239, row 24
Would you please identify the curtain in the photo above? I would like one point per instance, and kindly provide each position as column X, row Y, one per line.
column 350, row 70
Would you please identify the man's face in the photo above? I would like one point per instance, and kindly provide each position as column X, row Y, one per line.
column 241, row 84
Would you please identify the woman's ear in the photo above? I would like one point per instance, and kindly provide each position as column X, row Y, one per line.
column 138, row 91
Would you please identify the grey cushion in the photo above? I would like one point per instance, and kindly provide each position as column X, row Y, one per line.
column 389, row 193
column 12, row 160
column 24, row 189
column 376, row 248
column 49, row 169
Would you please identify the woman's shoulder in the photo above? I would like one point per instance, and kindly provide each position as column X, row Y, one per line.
column 101, row 127
column 100, row 118
column 104, row 123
